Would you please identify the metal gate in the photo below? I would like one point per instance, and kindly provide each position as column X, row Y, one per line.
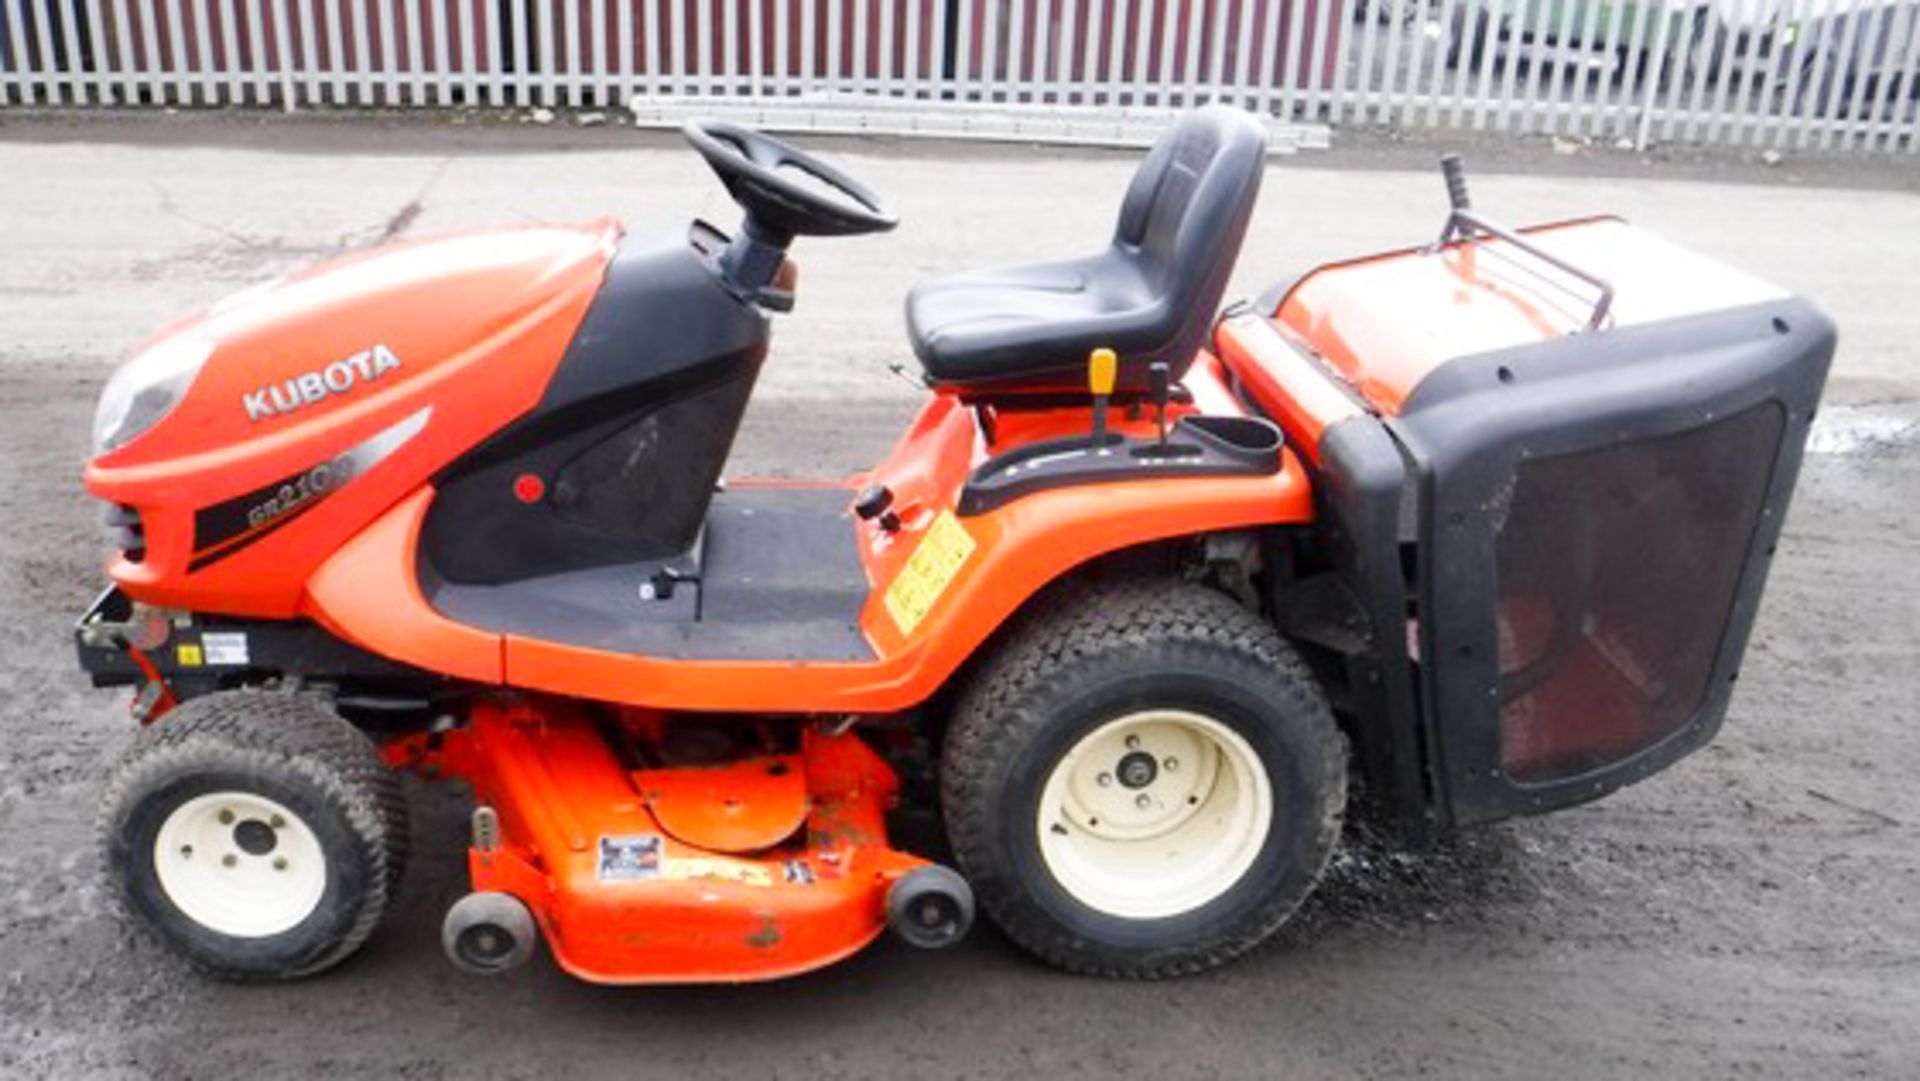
column 1837, row 74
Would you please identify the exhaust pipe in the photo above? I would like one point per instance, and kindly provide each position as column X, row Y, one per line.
column 930, row 907
column 489, row 933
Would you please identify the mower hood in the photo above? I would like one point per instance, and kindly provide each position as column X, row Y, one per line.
column 349, row 382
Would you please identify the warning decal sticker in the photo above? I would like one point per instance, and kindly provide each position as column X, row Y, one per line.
column 225, row 647
column 725, row 870
column 931, row 568
column 633, row 858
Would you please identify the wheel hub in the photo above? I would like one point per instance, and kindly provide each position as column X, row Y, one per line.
column 1137, row 769
column 239, row 864
column 1126, row 781
column 255, row 837
column 1154, row 814
column 485, row 944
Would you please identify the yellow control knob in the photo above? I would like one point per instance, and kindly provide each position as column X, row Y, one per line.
column 1102, row 367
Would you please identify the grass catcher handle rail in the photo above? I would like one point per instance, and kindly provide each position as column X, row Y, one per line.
column 1464, row 224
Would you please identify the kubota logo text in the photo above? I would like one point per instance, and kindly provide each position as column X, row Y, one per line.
column 310, row 387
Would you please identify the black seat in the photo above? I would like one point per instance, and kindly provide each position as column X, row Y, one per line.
column 1151, row 296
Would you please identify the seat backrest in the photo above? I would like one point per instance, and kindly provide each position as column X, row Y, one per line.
column 1183, row 220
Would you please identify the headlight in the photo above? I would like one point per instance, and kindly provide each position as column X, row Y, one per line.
column 145, row 389
column 1791, row 34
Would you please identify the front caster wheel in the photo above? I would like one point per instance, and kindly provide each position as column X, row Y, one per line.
column 1143, row 782
column 258, row 834
column 930, row 907
column 489, row 933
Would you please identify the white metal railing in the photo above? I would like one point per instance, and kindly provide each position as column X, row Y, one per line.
column 1789, row 74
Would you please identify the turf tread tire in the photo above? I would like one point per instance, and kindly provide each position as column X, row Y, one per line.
column 268, row 731
column 1005, row 701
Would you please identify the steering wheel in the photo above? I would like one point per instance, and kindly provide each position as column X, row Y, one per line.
column 758, row 172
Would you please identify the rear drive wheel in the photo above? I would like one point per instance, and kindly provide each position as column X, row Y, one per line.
column 256, row 833
column 1144, row 782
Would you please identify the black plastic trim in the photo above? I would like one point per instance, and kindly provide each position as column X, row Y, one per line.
column 275, row 647
column 1363, row 481
column 1198, row 446
column 666, row 359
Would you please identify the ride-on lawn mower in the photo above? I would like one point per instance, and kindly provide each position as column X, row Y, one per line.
column 1481, row 525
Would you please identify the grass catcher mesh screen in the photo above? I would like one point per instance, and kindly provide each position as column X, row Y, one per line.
column 1617, row 569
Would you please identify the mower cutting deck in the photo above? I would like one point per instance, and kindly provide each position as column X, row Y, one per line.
column 761, row 866
column 1482, row 524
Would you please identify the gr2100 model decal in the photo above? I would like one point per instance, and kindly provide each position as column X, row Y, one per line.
column 226, row 527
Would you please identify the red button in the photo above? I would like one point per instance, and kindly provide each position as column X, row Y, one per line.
column 529, row 488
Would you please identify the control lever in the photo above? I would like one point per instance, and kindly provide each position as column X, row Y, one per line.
column 1465, row 223
column 1455, row 175
column 876, row 501
column 660, row 585
column 1160, row 388
column 1102, row 368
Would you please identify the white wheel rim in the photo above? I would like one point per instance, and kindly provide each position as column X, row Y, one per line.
column 239, row 864
column 1144, row 843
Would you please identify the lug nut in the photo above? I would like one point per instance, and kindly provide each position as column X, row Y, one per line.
column 226, row 818
column 1104, row 779
column 187, row 851
column 1133, row 743
column 277, row 822
column 229, row 860
column 1171, row 765
column 279, row 863
column 1143, row 801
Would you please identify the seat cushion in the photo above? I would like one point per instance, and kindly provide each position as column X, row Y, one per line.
column 1032, row 323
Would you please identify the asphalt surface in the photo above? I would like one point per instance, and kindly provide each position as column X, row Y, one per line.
column 1749, row 913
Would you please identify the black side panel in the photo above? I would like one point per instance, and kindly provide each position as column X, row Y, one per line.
column 1597, row 518
column 624, row 448
column 652, row 478
column 661, row 313
column 1362, row 480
